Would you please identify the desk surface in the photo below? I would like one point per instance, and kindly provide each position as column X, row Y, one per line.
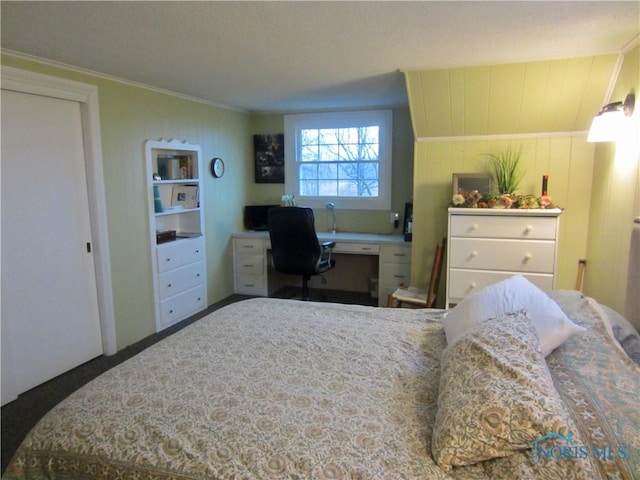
column 342, row 237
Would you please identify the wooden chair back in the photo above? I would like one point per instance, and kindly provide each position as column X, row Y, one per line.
column 436, row 272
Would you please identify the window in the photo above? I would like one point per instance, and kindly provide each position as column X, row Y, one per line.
column 343, row 158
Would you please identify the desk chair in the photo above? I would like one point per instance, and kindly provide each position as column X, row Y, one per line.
column 295, row 249
column 419, row 297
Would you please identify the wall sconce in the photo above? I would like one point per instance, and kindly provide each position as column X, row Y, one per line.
column 609, row 122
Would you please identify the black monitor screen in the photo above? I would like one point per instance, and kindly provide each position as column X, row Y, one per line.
column 256, row 216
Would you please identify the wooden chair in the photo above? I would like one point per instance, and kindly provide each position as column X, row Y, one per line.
column 421, row 297
column 582, row 263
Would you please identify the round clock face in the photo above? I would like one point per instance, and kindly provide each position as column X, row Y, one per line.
column 217, row 167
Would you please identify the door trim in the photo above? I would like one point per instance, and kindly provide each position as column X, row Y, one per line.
column 25, row 81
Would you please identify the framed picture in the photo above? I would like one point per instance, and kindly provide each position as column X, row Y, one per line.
column 185, row 196
column 269, row 158
column 468, row 182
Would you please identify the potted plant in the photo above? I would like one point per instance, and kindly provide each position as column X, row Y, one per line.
column 505, row 169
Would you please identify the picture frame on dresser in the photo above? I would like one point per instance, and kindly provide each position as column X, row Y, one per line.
column 469, row 182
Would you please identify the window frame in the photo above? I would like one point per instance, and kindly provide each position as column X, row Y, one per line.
column 293, row 124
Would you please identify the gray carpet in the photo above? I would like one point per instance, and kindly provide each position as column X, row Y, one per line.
column 21, row 415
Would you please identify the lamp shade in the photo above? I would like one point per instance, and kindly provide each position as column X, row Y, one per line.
column 606, row 126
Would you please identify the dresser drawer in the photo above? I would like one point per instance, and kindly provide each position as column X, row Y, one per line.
column 180, row 279
column 250, row 246
column 251, row 285
column 466, row 282
column 395, row 254
column 509, row 255
column 175, row 254
column 183, row 304
column 535, row 228
column 249, row 264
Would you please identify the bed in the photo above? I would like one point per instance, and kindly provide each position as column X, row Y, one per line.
column 281, row 389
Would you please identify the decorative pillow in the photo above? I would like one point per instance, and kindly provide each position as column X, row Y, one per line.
column 516, row 293
column 496, row 394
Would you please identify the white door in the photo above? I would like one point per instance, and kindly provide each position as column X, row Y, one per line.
column 49, row 300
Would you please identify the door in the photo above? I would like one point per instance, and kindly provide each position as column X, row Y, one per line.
column 50, row 313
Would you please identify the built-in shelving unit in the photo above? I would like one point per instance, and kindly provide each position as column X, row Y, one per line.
column 176, row 226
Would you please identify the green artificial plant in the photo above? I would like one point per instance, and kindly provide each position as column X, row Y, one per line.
column 505, row 169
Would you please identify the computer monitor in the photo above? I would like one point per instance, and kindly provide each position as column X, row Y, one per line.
column 256, row 217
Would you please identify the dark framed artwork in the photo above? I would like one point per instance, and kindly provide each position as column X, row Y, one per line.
column 269, row 157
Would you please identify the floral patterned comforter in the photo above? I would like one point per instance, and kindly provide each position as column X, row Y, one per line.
column 280, row 389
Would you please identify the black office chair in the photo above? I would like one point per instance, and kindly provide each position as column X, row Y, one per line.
column 295, row 249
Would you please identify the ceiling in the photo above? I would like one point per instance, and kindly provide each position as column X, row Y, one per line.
column 287, row 56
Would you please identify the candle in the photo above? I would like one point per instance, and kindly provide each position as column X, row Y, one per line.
column 545, row 180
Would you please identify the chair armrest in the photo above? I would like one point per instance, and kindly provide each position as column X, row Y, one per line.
column 327, row 245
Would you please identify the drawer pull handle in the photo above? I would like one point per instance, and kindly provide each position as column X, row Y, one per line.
column 197, row 251
column 249, row 285
column 528, row 229
column 472, row 285
column 199, row 298
column 527, row 257
column 247, row 246
column 474, row 227
column 473, row 254
column 366, row 248
column 169, row 285
column 247, row 265
column 167, row 259
column 197, row 275
column 398, row 254
column 398, row 276
column 170, row 311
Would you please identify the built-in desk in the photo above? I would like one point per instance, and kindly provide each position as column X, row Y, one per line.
column 251, row 264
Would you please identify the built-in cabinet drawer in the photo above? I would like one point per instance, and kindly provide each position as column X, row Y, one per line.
column 179, row 306
column 250, row 266
column 354, row 248
column 179, row 279
column 395, row 269
column 251, row 285
column 181, row 252
column 487, row 246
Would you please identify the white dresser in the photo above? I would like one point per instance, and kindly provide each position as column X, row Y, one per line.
column 486, row 246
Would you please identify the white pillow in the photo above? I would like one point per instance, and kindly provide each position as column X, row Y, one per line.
column 552, row 326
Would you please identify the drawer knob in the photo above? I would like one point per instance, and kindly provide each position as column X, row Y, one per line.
column 472, row 285
column 474, row 227
column 528, row 229
column 169, row 285
column 473, row 254
column 167, row 259
column 527, row 257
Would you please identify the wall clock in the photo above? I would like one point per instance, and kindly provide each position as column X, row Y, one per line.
column 217, row 167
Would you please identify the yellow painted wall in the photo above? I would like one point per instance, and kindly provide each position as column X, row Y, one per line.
column 129, row 115
column 615, row 200
column 370, row 221
column 568, row 160
column 546, row 107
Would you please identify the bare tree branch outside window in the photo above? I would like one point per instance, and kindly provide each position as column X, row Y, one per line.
column 341, row 162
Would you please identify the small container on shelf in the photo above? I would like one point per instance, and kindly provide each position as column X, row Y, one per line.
column 165, row 236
